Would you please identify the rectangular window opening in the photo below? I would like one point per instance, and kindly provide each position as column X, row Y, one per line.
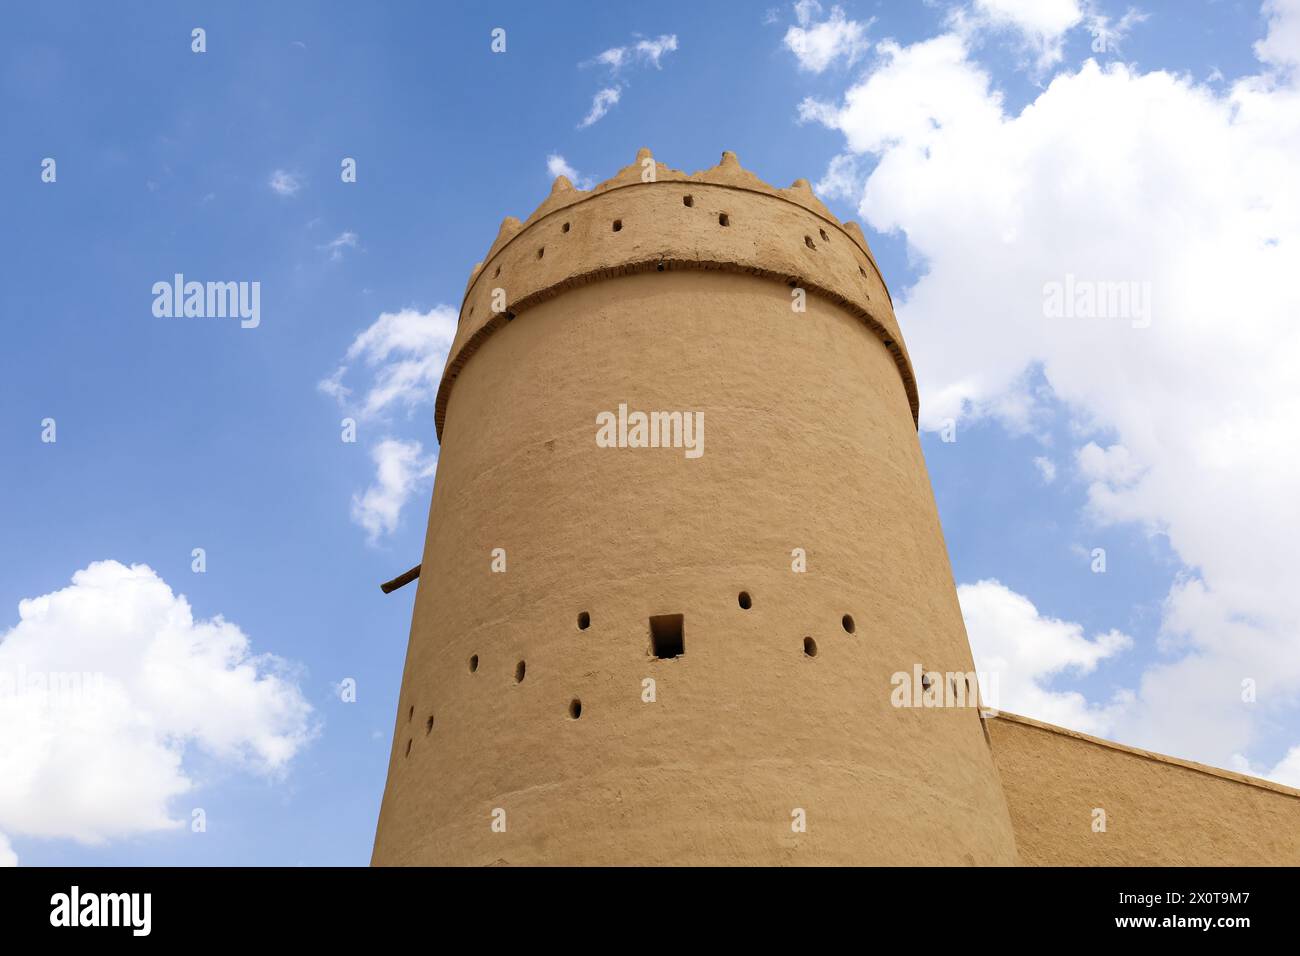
column 668, row 635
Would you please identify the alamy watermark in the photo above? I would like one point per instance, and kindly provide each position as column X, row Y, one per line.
column 1076, row 298
column 626, row 429
column 130, row 910
column 52, row 688
column 209, row 300
column 921, row 688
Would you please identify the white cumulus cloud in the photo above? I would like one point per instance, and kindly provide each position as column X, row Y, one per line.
column 1039, row 25
column 1115, row 175
column 1018, row 652
column 1281, row 45
column 401, row 469
column 557, row 165
column 816, row 45
column 107, row 684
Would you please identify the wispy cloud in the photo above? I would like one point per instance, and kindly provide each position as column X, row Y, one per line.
column 643, row 52
column 345, row 240
column 284, row 183
column 404, row 353
column 600, row 105
column 1107, row 36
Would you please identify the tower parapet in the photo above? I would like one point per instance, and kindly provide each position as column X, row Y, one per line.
column 649, row 218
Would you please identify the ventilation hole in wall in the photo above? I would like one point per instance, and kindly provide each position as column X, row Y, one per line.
column 408, row 747
column 564, row 228
column 724, row 219
column 497, row 273
column 863, row 271
column 688, row 200
column 584, row 621
column 810, row 647
column 667, row 635
column 541, row 252
column 847, row 623
column 410, row 713
column 575, row 709
column 618, row 225
column 822, row 233
column 793, row 283
column 807, row 241
column 473, row 664
column 744, row 600
column 520, row 669
column 428, row 725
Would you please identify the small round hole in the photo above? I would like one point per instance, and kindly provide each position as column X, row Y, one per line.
column 688, row 200
column 724, row 219
column 810, row 647
column 584, row 621
column 575, row 709
column 473, row 664
column 745, row 601
column 847, row 622
column 564, row 228
column 618, row 225
column 520, row 669
column 428, row 725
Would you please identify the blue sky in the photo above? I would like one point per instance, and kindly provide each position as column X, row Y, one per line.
column 176, row 434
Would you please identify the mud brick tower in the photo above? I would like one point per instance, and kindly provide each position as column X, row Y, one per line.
column 652, row 679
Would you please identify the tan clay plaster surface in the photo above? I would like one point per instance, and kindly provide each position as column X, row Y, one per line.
column 1159, row 811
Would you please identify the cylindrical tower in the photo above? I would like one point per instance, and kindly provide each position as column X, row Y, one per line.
column 683, row 653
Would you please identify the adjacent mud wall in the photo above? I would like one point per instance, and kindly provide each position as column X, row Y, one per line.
column 1159, row 811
